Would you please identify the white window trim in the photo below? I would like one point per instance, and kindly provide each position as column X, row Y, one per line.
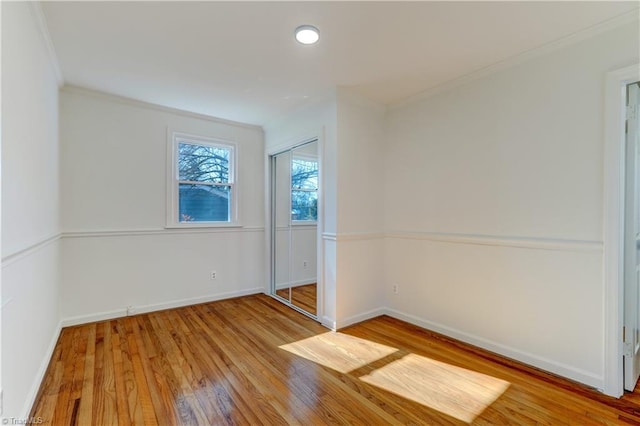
column 172, row 219
column 309, row 223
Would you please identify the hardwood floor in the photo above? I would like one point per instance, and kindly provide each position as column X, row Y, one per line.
column 303, row 296
column 252, row 360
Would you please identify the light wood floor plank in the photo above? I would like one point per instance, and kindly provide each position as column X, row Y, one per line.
column 301, row 383
column 188, row 406
column 67, row 358
column 144, row 399
column 85, row 410
column 212, row 399
column 122, row 394
column 269, row 388
column 158, row 409
column 252, row 360
column 246, row 396
column 109, row 414
column 234, row 409
column 341, row 387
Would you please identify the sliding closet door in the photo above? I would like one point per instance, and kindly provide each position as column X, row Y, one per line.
column 281, row 227
column 294, row 227
column 304, row 227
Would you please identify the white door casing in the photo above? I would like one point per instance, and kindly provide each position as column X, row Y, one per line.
column 613, row 226
column 631, row 334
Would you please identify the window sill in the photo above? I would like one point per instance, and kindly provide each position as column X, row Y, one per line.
column 304, row 223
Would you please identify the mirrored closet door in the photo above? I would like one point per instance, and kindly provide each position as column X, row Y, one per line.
column 294, row 227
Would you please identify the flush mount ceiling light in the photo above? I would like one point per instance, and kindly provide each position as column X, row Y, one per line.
column 307, row 34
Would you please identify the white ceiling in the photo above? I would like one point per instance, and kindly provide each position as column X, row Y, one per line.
column 239, row 60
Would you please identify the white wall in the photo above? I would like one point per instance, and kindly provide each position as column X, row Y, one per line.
column 360, row 208
column 494, row 205
column 30, row 195
column 116, row 252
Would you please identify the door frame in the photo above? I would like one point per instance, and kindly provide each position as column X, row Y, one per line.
column 613, row 225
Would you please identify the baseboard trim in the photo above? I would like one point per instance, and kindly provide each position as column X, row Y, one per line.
column 551, row 366
column 329, row 323
column 354, row 319
column 143, row 309
column 44, row 365
column 196, row 300
column 100, row 316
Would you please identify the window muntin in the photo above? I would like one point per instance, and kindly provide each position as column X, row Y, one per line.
column 304, row 189
column 203, row 182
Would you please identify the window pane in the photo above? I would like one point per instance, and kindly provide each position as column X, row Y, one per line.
column 204, row 203
column 304, row 205
column 304, row 174
column 202, row 163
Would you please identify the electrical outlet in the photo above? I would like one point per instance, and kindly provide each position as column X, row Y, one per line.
column 395, row 289
column 214, row 275
column 130, row 310
column 305, row 264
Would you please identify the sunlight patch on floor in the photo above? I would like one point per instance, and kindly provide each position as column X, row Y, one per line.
column 455, row 391
column 339, row 351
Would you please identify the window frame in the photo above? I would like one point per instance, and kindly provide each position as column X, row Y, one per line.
column 175, row 138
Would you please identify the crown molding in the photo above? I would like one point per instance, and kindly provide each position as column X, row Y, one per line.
column 79, row 90
column 41, row 22
column 520, row 58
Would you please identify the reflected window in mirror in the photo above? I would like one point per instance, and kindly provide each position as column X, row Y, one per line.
column 304, row 189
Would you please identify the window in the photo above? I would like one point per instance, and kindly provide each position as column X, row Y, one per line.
column 203, row 183
column 304, row 189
